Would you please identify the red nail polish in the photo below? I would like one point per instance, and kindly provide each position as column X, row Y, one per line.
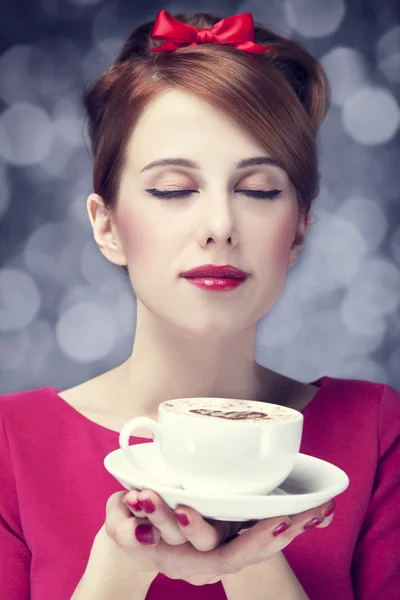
column 147, row 506
column 144, row 534
column 330, row 510
column 281, row 528
column 135, row 506
column 182, row 519
column 313, row 523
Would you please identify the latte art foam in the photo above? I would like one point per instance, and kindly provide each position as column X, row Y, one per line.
column 235, row 415
column 232, row 410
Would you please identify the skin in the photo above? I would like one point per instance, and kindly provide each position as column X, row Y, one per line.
column 200, row 343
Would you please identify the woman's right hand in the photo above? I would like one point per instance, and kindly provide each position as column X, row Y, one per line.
column 192, row 553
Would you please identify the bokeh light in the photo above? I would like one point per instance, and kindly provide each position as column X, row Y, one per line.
column 26, row 134
column 313, row 18
column 371, row 115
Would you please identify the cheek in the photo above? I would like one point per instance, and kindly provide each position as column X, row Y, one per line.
column 277, row 241
column 282, row 242
column 137, row 237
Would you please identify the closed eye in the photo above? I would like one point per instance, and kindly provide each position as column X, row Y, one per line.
column 259, row 194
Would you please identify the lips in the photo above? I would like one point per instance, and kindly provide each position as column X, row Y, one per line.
column 222, row 271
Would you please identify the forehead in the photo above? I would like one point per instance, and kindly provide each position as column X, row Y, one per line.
column 177, row 122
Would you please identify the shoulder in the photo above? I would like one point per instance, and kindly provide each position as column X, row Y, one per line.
column 375, row 407
column 17, row 405
column 357, row 391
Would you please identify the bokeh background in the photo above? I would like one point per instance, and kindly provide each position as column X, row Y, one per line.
column 67, row 315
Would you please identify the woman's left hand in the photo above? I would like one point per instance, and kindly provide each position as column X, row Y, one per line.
column 207, row 534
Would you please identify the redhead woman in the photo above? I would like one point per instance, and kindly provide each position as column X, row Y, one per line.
column 204, row 135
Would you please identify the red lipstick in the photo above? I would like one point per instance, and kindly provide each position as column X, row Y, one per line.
column 215, row 277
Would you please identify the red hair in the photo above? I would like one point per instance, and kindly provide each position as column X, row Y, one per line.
column 280, row 96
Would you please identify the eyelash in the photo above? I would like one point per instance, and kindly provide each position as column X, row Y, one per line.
column 258, row 194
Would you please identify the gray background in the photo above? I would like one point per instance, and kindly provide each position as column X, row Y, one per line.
column 67, row 315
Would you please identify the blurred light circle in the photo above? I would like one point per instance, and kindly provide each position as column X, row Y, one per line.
column 313, row 18
column 276, row 13
column 42, row 336
column 14, row 350
column 368, row 217
column 62, row 70
column 390, row 67
column 389, row 43
column 44, row 248
column 68, row 122
column 371, row 115
column 78, row 293
column 99, row 272
column 332, row 257
column 20, row 299
column 86, row 332
column 17, row 70
column 37, row 73
column 327, row 324
column 61, row 166
column 346, row 72
column 376, row 288
column 56, row 162
column 358, row 318
column 26, row 134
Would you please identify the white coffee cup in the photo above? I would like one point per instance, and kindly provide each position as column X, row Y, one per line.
column 233, row 446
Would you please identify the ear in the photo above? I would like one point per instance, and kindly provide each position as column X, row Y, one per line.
column 104, row 230
column 300, row 238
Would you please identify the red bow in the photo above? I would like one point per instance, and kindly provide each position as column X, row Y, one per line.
column 236, row 31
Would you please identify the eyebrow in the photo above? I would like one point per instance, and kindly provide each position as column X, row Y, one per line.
column 183, row 162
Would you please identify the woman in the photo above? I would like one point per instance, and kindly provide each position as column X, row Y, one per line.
column 204, row 153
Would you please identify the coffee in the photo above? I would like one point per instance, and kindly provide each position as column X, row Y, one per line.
column 238, row 410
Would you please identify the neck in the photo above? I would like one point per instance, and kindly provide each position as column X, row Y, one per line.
column 169, row 363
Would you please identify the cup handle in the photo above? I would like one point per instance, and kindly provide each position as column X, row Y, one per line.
column 127, row 431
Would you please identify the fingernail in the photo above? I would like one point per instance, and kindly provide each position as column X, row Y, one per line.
column 182, row 519
column 134, row 506
column 147, row 506
column 144, row 534
column 281, row 528
column 313, row 523
column 330, row 509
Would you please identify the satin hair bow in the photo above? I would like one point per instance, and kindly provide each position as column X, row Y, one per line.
column 236, row 31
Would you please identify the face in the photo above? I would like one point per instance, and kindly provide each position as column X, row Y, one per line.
column 218, row 217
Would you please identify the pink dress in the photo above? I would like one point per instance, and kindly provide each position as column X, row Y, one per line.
column 54, row 489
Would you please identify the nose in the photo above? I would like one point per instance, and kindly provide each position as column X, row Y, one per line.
column 218, row 226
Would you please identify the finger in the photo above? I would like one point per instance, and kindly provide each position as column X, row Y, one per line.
column 161, row 516
column 328, row 511
column 125, row 529
column 256, row 544
column 205, row 534
column 319, row 517
column 131, row 501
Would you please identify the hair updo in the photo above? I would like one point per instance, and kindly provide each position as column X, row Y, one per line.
column 280, row 96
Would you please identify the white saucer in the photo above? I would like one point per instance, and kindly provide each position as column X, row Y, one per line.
column 312, row 482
